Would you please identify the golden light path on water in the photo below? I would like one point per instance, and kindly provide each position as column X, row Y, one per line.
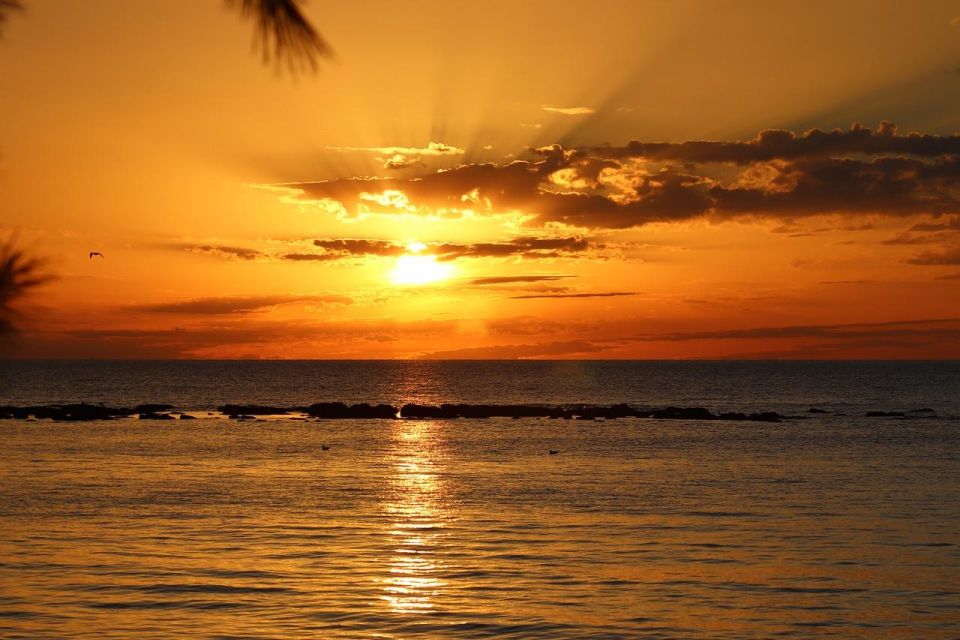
column 420, row 511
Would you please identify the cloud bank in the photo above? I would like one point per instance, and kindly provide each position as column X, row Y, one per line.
column 777, row 174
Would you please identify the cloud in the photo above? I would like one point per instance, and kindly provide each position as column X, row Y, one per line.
column 570, row 111
column 844, row 282
column 528, row 247
column 338, row 249
column 519, row 351
column 948, row 224
column 907, row 238
column 522, row 247
column 235, row 304
column 781, row 144
column 940, row 328
column 223, row 251
column 778, row 174
column 344, row 247
column 234, row 336
column 405, row 157
column 312, row 257
column 495, row 280
column 609, row 294
column 432, row 149
column 947, row 255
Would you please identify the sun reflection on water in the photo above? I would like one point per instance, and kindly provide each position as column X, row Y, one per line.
column 419, row 512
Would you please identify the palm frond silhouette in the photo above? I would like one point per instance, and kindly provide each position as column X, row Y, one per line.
column 6, row 8
column 283, row 34
column 19, row 274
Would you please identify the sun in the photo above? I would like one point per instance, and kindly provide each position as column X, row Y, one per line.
column 416, row 269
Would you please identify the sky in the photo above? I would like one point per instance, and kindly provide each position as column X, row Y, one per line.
column 497, row 179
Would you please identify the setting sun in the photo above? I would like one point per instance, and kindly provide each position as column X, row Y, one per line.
column 419, row 269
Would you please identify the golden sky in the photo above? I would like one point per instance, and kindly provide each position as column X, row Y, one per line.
column 538, row 179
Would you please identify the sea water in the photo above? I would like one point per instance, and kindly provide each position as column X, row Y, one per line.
column 829, row 525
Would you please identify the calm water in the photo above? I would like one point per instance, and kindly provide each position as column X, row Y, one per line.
column 834, row 526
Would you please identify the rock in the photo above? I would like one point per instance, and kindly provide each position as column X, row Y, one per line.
column 680, row 413
column 187, row 416
column 80, row 412
column 734, row 416
column 152, row 408
column 340, row 411
column 884, row 414
column 252, row 410
column 815, row 410
column 608, row 413
column 429, row 412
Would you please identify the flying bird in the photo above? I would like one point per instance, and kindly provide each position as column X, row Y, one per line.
column 95, row 253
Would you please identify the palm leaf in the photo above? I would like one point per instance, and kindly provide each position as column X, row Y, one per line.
column 19, row 273
column 6, row 8
column 283, row 33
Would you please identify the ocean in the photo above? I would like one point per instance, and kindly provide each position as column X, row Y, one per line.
column 828, row 524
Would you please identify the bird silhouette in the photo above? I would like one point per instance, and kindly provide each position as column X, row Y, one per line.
column 553, row 452
column 95, row 253
column 325, row 447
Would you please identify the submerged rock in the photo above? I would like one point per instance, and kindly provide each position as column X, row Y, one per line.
column 413, row 411
column 252, row 410
column 156, row 416
column 340, row 411
column 82, row 412
column 683, row 413
column 152, row 408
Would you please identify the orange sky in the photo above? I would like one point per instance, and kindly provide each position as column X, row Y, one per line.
column 502, row 153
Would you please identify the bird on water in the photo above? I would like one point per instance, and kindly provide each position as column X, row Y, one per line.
column 95, row 253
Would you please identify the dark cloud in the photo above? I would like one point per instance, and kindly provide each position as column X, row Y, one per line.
column 905, row 237
column 946, row 328
column 519, row 351
column 948, row 224
column 777, row 174
column 947, row 255
column 847, row 281
column 780, row 144
column 524, row 247
column 609, row 294
column 312, row 257
column 223, row 251
column 495, row 280
column 235, row 304
column 232, row 336
column 354, row 247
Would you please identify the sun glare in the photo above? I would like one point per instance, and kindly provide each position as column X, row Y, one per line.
column 419, row 269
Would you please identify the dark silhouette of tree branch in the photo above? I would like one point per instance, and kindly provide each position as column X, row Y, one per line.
column 284, row 34
column 19, row 274
column 282, row 31
column 6, row 8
